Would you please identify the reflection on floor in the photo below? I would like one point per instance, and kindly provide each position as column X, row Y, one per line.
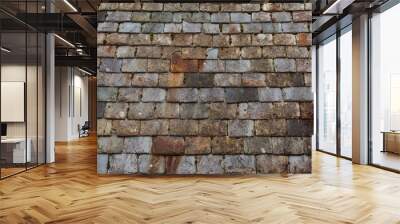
column 70, row 191
column 10, row 171
column 386, row 159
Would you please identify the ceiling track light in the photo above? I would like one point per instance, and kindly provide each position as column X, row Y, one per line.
column 5, row 50
column 84, row 71
column 65, row 41
column 337, row 7
column 70, row 5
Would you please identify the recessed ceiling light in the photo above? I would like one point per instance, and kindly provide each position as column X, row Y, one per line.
column 338, row 6
column 84, row 71
column 5, row 50
column 70, row 5
column 64, row 40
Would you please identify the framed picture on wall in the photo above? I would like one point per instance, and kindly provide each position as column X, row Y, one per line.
column 12, row 101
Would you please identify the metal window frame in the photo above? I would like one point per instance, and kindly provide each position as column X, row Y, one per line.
column 381, row 9
column 44, row 74
column 323, row 37
column 337, row 35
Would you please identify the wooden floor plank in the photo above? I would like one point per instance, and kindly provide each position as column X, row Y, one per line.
column 70, row 191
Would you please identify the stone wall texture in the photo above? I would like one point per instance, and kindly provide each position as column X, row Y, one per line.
column 204, row 88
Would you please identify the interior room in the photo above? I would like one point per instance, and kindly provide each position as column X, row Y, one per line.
column 72, row 104
column 75, row 71
column 22, row 64
column 26, row 61
column 335, row 77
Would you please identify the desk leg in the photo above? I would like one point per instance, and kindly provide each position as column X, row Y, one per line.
column 384, row 142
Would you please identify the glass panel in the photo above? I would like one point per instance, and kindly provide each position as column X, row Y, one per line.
column 13, row 86
column 31, row 98
column 41, row 98
column 22, row 87
column 327, row 96
column 33, row 65
column 385, row 84
column 346, row 94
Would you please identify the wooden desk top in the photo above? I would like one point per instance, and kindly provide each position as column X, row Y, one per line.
column 391, row 132
column 13, row 140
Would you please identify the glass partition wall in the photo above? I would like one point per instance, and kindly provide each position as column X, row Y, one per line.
column 22, row 77
column 334, row 93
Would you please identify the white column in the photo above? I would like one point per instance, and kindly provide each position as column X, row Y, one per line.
column 50, row 100
column 360, row 90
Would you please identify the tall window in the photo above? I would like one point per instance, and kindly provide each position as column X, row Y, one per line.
column 385, row 89
column 334, row 106
column 327, row 95
column 346, row 93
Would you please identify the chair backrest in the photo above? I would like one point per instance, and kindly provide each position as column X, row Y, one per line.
column 86, row 125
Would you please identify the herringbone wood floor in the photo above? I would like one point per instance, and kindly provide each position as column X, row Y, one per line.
column 69, row 191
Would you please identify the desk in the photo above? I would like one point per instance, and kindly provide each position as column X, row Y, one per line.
column 13, row 150
column 391, row 141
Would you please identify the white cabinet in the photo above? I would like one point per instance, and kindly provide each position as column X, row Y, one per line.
column 19, row 155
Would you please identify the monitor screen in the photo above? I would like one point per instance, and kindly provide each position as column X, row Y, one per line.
column 3, row 129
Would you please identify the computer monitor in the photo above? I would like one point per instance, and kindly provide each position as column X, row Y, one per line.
column 3, row 130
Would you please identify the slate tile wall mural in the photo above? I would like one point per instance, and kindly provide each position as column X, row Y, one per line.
column 204, row 88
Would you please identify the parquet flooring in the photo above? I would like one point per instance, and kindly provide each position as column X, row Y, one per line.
column 70, row 191
column 5, row 172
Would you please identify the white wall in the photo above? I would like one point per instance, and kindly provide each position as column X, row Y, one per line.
column 69, row 85
column 81, row 85
column 17, row 73
column 62, row 81
column 14, row 73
